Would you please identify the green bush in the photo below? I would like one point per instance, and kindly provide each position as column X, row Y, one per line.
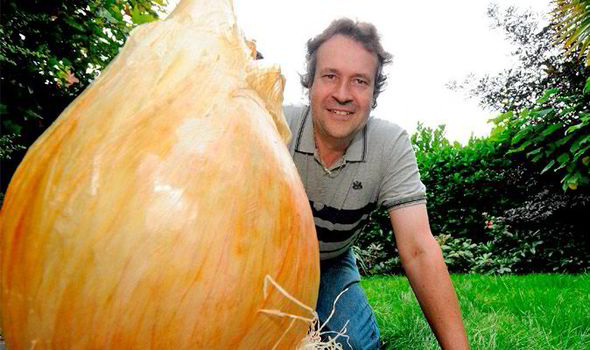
column 375, row 250
column 554, row 133
column 507, row 251
column 463, row 182
column 491, row 211
column 459, row 253
column 8, row 146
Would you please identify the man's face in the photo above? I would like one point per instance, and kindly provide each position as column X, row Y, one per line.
column 342, row 89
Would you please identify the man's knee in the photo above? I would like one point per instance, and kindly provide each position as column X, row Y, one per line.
column 352, row 317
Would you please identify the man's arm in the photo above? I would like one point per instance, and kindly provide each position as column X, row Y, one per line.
column 427, row 272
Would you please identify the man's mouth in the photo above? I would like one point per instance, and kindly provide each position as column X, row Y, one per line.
column 339, row 112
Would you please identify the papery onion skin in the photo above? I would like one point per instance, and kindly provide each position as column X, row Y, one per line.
column 149, row 213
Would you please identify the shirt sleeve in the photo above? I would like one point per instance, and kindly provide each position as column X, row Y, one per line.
column 401, row 185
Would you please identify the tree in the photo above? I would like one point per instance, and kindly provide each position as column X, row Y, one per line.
column 544, row 99
column 572, row 18
column 540, row 64
column 50, row 51
column 555, row 132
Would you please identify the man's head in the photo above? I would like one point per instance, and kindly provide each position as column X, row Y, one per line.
column 344, row 78
column 363, row 33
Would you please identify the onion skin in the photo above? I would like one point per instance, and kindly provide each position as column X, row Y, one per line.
column 149, row 213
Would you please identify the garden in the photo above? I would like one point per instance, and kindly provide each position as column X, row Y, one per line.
column 509, row 210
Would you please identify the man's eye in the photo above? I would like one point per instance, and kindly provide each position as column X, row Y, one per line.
column 330, row 76
column 360, row 81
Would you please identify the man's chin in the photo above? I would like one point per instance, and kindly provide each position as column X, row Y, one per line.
column 341, row 134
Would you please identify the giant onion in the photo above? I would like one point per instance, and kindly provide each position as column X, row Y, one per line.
column 151, row 212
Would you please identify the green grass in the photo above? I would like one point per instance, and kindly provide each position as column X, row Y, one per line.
column 538, row 311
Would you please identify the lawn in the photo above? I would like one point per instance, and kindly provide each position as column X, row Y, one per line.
column 537, row 311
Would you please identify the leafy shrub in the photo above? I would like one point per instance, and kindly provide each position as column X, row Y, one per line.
column 492, row 212
column 555, row 133
column 374, row 261
column 375, row 250
column 507, row 251
column 531, row 178
column 8, row 146
column 560, row 223
column 463, row 181
column 459, row 253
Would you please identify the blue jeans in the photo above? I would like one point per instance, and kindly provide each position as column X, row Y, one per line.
column 335, row 276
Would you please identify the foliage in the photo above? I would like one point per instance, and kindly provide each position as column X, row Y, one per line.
column 497, row 204
column 544, row 99
column 559, row 221
column 462, row 181
column 50, row 51
column 555, row 132
column 8, row 146
column 492, row 212
column 459, row 253
column 504, row 252
column 539, row 64
column 373, row 260
column 376, row 250
column 573, row 19
column 507, row 251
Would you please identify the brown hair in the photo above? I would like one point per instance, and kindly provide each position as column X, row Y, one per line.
column 361, row 32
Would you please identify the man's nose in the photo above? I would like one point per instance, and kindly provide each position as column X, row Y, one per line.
column 341, row 93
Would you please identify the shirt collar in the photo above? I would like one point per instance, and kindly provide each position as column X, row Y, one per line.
column 306, row 144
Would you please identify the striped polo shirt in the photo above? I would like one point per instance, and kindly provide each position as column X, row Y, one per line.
column 378, row 169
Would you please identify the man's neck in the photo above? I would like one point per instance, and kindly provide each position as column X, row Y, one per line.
column 330, row 150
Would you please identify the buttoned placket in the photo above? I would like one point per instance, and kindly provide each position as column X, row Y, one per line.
column 335, row 169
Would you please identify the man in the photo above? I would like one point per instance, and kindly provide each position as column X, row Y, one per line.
column 350, row 164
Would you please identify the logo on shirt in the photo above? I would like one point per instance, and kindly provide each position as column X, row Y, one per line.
column 357, row 185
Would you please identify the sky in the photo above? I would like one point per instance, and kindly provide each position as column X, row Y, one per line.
column 433, row 42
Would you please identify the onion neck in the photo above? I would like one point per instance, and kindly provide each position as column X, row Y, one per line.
column 215, row 13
